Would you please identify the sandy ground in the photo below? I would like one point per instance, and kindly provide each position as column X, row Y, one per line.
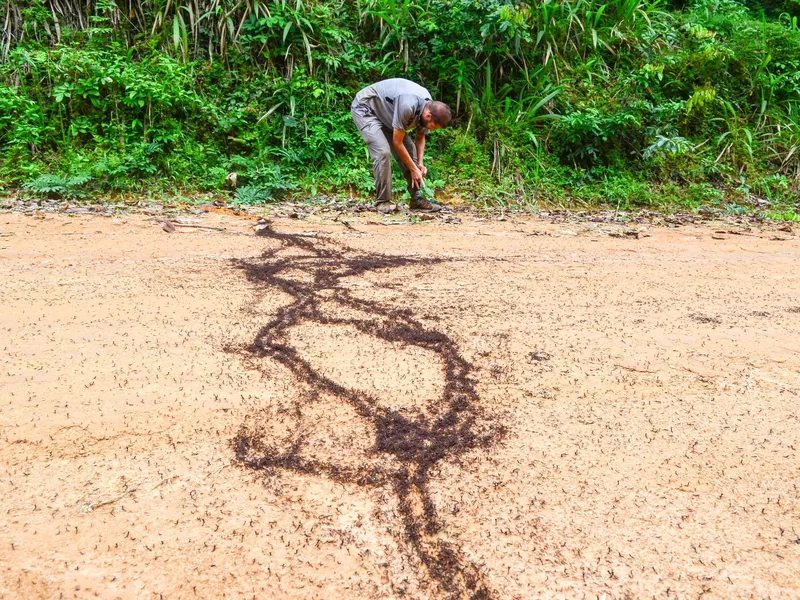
column 648, row 389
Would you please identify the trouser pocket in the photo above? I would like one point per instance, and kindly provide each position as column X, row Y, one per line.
column 362, row 115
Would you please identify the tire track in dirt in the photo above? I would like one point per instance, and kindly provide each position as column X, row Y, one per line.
column 311, row 270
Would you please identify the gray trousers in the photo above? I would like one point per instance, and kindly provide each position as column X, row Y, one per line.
column 379, row 141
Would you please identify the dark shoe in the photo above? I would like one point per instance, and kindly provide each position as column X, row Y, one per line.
column 422, row 204
column 385, row 207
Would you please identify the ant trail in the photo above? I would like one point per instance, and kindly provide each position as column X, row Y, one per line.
column 310, row 270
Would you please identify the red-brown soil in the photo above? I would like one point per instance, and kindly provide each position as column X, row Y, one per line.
column 498, row 410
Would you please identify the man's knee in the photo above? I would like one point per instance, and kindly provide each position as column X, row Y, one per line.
column 382, row 157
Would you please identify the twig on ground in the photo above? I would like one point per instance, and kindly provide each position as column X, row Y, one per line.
column 169, row 226
column 634, row 369
column 350, row 227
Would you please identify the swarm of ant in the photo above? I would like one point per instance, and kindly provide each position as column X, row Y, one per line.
column 311, row 270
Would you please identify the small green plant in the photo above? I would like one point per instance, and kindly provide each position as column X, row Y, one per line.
column 252, row 194
column 55, row 186
column 775, row 188
column 785, row 215
column 429, row 189
column 736, row 209
column 700, row 195
column 664, row 147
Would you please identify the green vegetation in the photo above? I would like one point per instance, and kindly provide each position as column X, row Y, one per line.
column 563, row 102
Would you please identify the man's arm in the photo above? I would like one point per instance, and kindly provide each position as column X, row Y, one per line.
column 398, row 135
column 419, row 142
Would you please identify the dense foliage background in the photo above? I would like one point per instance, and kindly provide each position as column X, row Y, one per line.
column 623, row 102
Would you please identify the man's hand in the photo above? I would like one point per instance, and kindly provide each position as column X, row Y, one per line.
column 416, row 174
column 416, row 177
column 424, row 170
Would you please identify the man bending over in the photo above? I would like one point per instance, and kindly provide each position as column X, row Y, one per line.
column 384, row 113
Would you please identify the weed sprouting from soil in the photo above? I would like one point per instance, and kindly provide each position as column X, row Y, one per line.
column 311, row 271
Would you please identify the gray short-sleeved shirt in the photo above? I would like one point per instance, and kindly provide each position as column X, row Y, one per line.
column 397, row 103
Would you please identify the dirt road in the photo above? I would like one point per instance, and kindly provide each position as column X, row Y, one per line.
column 522, row 410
